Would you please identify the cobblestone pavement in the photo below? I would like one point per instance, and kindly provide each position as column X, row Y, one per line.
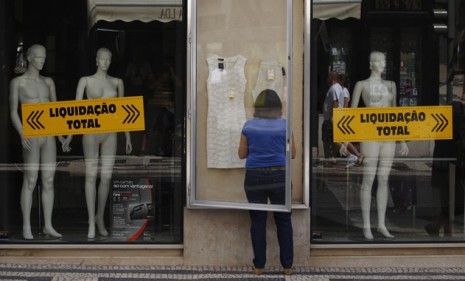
column 22, row 272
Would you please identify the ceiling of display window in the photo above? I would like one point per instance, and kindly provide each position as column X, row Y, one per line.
column 340, row 9
column 134, row 10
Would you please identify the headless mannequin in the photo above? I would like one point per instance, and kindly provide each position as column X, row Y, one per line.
column 376, row 92
column 38, row 152
column 99, row 85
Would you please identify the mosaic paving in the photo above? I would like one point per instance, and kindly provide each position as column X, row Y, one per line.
column 21, row 272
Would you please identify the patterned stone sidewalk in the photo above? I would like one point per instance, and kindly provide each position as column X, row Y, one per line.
column 23, row 272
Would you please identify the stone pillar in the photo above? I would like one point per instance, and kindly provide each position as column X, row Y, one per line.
column 222, row 237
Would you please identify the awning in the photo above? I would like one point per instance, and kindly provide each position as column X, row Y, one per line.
column 340, row 9
column 134, row 10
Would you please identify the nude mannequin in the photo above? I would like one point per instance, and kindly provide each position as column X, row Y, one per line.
column 379, row 156
column 38, row 152
column 99, row 85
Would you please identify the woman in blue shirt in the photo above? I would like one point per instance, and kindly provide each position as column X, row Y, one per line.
column 263, row 144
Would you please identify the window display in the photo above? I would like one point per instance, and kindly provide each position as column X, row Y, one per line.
column 408, row 188
column 240, row 49
column 102, row 187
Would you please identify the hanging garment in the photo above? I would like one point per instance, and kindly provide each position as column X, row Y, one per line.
column 226, row 112
column 270, row 76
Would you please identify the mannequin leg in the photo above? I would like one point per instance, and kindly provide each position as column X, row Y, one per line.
column 48, row 167
column 31, row 171
column 386, row 156
column 108, row 152
column 370, row 150
column 90, row 146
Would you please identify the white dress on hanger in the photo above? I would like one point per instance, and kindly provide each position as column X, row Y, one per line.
column 270, row 76
column 226, row 112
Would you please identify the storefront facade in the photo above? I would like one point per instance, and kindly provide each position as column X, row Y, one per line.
column 176, row 189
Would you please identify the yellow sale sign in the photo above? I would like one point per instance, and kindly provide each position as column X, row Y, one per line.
column 90, row 116
column 392, row 123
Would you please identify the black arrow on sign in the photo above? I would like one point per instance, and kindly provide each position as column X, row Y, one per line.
column 137, row 113
column 37, row 120
column 133, row 114
column 33, row 120
column 441, row 122
column 344, row 123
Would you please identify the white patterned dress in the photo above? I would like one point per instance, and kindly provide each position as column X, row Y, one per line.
column 270, row 76
column 226, row 111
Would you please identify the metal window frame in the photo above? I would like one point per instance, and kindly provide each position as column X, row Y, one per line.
column 191, row 122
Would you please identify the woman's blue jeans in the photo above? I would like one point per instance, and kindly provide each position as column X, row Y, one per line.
column 260, row 185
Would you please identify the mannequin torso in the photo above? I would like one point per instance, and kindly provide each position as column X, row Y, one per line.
column 377, row 92
column 97, row 88
column 33, row 90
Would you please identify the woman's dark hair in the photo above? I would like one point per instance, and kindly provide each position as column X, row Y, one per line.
column 268, row 105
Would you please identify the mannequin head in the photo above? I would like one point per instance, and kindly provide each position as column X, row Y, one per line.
column 36, row 56
column 103, row 59
column 377, row 62
column 268, row 105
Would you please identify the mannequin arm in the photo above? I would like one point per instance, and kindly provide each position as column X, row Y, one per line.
column 120, row 87
column 53, row 97
column 403, row 150
column 357, row 94
column 14, row 101
column 394, row 92
column 65, row 142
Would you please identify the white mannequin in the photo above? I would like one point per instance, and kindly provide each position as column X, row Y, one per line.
column 39, row 152
column 99, row 85
column 379, row 156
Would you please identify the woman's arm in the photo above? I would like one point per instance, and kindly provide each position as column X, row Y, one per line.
column 243, row 148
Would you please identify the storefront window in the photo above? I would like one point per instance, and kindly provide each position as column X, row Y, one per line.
column 116, row 185
column 401, row 183
column 241, row 59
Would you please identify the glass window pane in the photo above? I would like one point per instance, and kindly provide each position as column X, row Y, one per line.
column 397, row 56
column 111, row 187
column 241, row 102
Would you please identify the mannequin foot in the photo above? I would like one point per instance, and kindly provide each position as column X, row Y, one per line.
column 27, row 233
column 383, row 230
column 91, row 231
column 50, row 231
column 101, row 226
column 367, row 233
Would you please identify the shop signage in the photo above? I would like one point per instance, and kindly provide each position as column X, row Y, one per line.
column 83, row 117
column 392, row 123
